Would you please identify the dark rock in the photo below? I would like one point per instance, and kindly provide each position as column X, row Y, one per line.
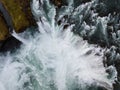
column 9, row 44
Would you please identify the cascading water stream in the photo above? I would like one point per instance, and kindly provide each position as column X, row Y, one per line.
column 54, row 59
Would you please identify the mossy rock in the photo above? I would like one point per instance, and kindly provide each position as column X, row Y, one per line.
column 4, row 33
column 20, row 13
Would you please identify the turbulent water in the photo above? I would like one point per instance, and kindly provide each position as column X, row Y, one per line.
column 53, row 59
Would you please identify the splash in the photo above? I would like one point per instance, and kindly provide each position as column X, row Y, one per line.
column 54, row 59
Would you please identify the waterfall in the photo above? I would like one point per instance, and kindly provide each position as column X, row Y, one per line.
column 54, row 58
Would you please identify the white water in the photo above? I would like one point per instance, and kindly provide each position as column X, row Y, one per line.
column 54, row 59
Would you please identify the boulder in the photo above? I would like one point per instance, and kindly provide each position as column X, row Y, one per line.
column 3, row 29
column 20, row 13
column 16, row 13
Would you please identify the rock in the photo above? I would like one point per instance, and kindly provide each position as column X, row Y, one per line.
column 20, row 13
column 10, row 44
column 3, row 29
column 14, row 14
column 57, row 2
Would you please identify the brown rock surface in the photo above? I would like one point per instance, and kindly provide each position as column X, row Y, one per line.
column 3, row 29
column 20, row 13
column 57, row 2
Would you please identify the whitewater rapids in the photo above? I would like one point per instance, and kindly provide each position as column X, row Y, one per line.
column 54, row 59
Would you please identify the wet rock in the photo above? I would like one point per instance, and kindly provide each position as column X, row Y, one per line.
column 10, row 44
column 20, row 13
column 3, row 29
column 57, row 2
